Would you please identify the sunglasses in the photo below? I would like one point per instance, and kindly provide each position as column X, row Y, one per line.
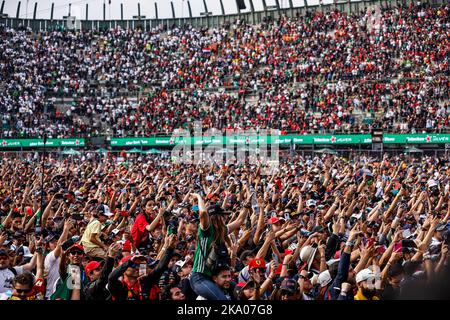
column 308, row 277
column 22, row 290
column 74, row 253
column 260, row 270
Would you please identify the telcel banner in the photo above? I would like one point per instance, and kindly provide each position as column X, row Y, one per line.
column 416, row 138
column 39, row 143
column 244, row 140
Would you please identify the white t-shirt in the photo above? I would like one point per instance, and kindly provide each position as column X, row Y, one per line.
column 6, row 278
column 51, row 266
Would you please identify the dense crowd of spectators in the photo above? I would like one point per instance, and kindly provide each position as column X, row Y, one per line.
column 316, row 228
column 314, row 72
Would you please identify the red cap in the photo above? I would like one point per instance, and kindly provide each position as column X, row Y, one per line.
column 278, row 271
column 274, row 220
column 125, row 259
column 241, row 284
column 337, row 255
column 211, row 196
column 127, row 246
column 91, row 266
column 257, row 263
column 29, row 211
column 76, row 246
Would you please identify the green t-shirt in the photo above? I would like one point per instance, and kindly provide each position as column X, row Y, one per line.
column 205, row 240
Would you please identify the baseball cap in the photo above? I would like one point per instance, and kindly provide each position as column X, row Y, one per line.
column 91, row 266
column 307, row 255
column 212, row 196
column 74, row 247
column 3, row 253
column 126, row 246
column 324, row 278
column 19, row 234
column 289, row 285
column 241, row 286
column 216, row 209
column 317, row 229
column 179, row 265
column 104, row 210
column 365, row 274
column 257, row 263
column 311, row 202
column 7, row 201
column 125, row 259
column 245, row 254
column 441, row 226
column 274, row 220
column 50, row 238
column 432, row 183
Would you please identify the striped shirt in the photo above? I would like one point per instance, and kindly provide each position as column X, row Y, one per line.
column 205, row 240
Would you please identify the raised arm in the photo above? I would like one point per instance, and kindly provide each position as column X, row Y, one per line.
column 239, row 221
column 203, row 212
column 263, row 251
column 260, row 225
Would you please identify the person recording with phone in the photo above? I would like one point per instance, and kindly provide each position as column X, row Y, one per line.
column 131, row 281
column 98, row 273
column 53, row 258
column 146, row 222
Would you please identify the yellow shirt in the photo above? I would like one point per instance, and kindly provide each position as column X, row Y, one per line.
column 94, row 227
column 360, row 296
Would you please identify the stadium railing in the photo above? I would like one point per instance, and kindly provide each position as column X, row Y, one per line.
column 253, row 17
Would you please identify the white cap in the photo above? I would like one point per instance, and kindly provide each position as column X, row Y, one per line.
column 356, row 216
column 331, row 261
column 363, row 275
column 432, row 183
column 311, row 202
column 307, row 255
column 26, row 252
column 105, row 210
column 314, row 279
column 180, row 263
column 324, row 278
column 293, row 246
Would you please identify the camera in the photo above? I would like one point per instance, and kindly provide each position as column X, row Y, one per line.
column 172, row 226
column 77, row 216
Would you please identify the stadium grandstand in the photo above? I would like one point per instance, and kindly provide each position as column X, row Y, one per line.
column 337, row 68
column 333, row 117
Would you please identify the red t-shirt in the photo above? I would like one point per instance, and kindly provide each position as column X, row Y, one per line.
column 138, row 232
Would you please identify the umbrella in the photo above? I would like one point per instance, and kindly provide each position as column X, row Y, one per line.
column 221, row 151
column 70, row 152
column 134, row 150
column 325, row 150
column 413, row 150
column 102, row 150
column 151, row 151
